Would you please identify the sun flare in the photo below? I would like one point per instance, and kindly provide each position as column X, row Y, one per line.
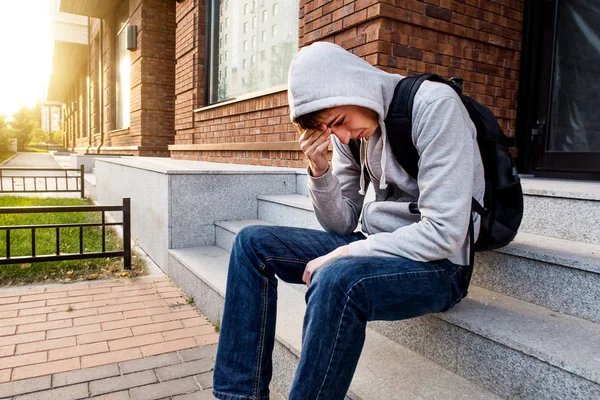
column 25, row 53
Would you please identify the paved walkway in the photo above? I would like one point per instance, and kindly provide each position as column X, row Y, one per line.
column 116, row 340
column 33, row 180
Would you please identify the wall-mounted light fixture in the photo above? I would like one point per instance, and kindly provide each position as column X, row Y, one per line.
column 131, row 37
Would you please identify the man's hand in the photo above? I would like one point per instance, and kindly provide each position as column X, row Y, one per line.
column 318, row 262
column 314, row 143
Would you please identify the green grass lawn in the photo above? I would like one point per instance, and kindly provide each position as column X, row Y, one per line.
column 58, row 271
column 36, row 148
column 5, row 155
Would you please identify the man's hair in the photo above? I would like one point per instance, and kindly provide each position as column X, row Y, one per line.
column 311, row 120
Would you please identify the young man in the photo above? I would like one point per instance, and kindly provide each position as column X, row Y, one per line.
column 405, row 264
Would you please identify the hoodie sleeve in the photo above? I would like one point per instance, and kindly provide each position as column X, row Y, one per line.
column 334, row 195
column 445, row 138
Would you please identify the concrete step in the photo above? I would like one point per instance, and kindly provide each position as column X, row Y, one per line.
column 301, row 182
column 287, row 210
column 386, row 370
column 560, row 274
column 226, row 231
column 90, row 184
column 517, row 349
column 439, row 337
column 563, row 209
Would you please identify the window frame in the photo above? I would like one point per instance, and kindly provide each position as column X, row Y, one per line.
column 212, row 45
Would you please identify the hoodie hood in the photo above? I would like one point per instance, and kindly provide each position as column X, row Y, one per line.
column 324, row 75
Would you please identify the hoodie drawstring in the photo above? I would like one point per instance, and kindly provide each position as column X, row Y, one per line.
column 363, row 161
column 383, row 180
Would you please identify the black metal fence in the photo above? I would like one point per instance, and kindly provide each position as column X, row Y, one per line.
column 42, row 180
column 126, row 223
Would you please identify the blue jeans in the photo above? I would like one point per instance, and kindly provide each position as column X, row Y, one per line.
column 344, row 294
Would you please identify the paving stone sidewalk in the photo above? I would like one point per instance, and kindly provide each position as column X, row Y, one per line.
column 122, row 339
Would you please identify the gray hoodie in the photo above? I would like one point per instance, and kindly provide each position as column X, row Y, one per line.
column 324, row 75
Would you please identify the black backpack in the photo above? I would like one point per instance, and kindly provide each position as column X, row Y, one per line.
column 503, row 198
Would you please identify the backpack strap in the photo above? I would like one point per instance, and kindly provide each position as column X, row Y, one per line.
column 398, row 121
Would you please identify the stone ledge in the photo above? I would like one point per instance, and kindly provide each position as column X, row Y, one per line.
column 568, row 253
column 186, row 167
column 565, row 188
column 566, row 342
column 291, row 200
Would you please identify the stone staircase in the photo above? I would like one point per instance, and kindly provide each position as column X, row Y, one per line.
column 529, row 329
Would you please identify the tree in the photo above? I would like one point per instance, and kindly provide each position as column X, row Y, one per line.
column 4, row 134
column 281, row 58
column 27, row 124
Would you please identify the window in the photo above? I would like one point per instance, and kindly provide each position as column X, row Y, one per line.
column 256, row 45
column 123, row 70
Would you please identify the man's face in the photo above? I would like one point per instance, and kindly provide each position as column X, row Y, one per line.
column 351, row 122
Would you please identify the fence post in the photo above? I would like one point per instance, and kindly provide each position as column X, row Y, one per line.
column 82, row 174
column 126, row 233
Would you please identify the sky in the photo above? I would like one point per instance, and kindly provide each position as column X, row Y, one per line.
column 25, row 53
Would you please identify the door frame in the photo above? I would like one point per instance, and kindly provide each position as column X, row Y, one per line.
column 539, row 26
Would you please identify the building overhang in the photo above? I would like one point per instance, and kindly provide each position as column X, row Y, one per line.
column 89, row 8
column 67, row 61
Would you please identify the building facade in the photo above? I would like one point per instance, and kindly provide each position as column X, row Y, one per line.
column 119, row 98
column 207, row 80
column 516, row 57
column 480, row 43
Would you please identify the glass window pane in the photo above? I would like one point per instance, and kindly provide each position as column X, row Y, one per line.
column 574, row 118
column 256, row 53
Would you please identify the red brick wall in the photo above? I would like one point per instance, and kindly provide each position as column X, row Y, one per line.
column 189, row 69
column 478, row 40
column 152, row 103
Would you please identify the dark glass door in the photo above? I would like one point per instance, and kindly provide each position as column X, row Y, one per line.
column 562, row 84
